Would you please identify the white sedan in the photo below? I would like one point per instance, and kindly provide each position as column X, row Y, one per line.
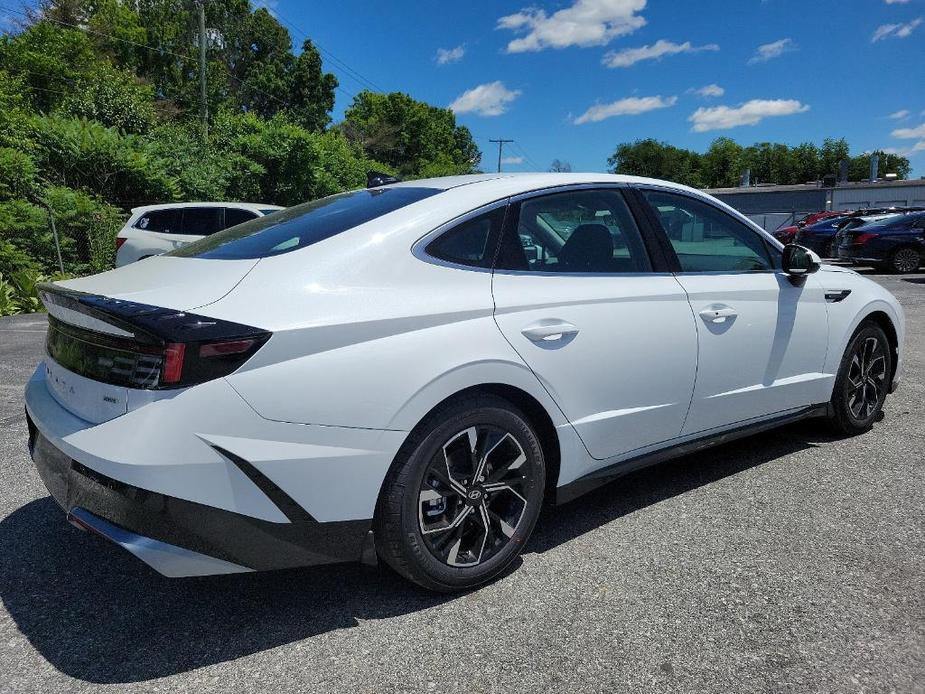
column 156, row 229
column 411, row 371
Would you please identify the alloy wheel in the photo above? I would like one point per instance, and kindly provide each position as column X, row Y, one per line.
column 906, row 260
column 866, row 378
column 473, row 496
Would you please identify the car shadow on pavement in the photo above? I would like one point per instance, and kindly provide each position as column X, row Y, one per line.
column 648, row 486
column 97, row 614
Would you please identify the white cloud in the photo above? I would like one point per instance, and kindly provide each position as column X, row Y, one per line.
column 490, row 99
column 895, row 31
column 584, row 23
column 909, row 133
column 631, row 56
column 896, row 2
column 630, row 106
column 450, row 55
column 512, row 160
column 899, row 115
column 709, row 90
column 750, row 113
column 906, row 151
column 769, row 51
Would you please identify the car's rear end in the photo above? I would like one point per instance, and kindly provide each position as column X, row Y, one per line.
column 895, row 241
column 139, row 437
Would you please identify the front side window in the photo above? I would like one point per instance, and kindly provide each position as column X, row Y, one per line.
column 581, row 231
column 472, row 242
column 202, row 221
column 302, row 225
column 161, row 221
column 706, row 239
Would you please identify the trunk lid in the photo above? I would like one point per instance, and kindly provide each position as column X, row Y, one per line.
column 166, row 281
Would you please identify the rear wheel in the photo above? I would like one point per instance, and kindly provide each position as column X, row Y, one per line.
column 905, row 260
column 460, row 506
column 863, row 381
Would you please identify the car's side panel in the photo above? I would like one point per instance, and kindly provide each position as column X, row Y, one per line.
column 624, row 379
column 767, row 357
column 865, row 298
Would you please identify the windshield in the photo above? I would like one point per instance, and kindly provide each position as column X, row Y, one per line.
column 300, row 226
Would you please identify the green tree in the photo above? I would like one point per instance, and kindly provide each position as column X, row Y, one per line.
column 832, row 152
column 722, row 164
column 409, row 135
column 656, row 159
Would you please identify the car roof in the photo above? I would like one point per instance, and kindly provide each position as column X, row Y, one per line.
column 529, row 181
column 179, row 205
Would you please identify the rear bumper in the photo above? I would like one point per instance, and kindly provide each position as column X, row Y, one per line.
column 183, row 538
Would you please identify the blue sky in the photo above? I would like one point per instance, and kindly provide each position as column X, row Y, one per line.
column 572, row 79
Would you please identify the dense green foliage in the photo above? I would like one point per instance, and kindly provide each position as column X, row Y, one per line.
column 721, row 165
column 99, row 113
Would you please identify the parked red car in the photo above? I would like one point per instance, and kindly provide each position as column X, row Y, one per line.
column 786, row 234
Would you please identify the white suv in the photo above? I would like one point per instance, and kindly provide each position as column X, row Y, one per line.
column 157, row 229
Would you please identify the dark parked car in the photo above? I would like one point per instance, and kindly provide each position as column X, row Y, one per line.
column 786, row 234
column 818, row 237
column 896, row 243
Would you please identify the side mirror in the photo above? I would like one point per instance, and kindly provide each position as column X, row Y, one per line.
column 798, row 262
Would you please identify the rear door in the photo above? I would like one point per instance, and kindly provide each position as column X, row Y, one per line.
column 606, row 330
column 762, row 340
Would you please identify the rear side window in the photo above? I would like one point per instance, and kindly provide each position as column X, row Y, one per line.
column 472, row 242
column 161, row 221
column 202, row 221
column 235, row 216
column 302, row 225
column 581, row 231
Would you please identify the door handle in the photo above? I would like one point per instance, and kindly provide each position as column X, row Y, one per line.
column 549, row 331
column 718, row 313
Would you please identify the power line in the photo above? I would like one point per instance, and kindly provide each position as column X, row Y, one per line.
column 363, row 81
column 526, row 156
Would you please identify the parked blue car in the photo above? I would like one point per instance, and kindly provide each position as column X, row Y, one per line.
column 818, row 237
column 896, row 243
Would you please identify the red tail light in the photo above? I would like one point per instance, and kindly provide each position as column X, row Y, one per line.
column 119, row 242
column 861, row 239
column 172, row 370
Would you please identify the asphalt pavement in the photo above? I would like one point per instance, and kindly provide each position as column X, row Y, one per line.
column 792, row 561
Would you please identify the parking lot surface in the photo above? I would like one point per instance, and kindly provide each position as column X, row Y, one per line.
column 792, row 561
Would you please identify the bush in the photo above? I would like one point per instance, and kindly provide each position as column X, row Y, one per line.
column 8, row 304
column 17, row 174
column 85, row 154
column 12, row 259
column 87, row 230
column 112, row 97
column 24, row 227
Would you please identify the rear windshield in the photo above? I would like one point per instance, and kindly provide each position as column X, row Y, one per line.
column 302, row 225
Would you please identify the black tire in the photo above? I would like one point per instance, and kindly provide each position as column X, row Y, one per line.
column 905, row 260
column 417, row 536
column 863, row 381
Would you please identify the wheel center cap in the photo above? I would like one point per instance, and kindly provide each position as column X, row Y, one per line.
column 474, row 495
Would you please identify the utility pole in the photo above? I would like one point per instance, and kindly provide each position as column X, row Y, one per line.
column 501, row 144
column 203, row 106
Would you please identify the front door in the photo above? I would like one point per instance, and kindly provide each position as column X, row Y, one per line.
column 613, row 342
column 762, row 340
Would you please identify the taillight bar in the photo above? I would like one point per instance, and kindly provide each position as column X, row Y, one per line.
column 142, row 346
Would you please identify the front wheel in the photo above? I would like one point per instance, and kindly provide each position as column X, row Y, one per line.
column 863, row 381
column 460, row 506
